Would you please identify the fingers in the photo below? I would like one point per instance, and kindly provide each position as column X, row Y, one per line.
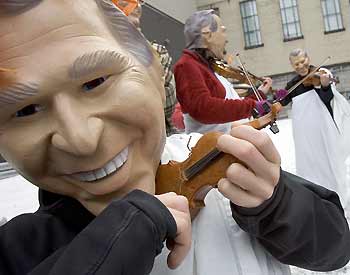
column 267, row 81
column 181, row 244
column 325, row 79
column 255, row 149
column 249, row 182
column 175, row 201
column 260, row 140
column 237, row 195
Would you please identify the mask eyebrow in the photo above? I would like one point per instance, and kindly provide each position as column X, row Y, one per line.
column 96, row 61
column 17, row 93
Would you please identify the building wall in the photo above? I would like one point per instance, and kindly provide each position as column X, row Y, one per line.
column 272, row 58
column 179, row 9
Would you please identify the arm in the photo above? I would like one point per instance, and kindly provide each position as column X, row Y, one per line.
column 302, row 224
column 128, row 231
column 196, row 99
column 298, row 222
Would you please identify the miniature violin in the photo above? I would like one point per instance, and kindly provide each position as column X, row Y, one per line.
column 205, row 166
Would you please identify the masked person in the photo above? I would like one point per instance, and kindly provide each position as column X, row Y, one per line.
column 320, row 119
column 207, row 99
column 134, row 13
column 88, row 130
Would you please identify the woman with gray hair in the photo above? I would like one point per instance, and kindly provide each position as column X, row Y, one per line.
column 208, row 100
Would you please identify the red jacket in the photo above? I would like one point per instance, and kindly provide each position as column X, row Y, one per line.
column 201, row 94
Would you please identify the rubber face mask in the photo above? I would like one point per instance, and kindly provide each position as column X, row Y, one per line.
column 126, row 6
column 300, row 64
column 89, row 125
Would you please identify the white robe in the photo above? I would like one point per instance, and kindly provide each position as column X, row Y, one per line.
column 321, row 143
column 219, row 246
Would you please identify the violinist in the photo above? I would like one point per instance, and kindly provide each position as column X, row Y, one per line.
column 207, row 99
column 320, row 115
column 88, row 130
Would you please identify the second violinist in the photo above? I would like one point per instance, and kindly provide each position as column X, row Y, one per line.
column 320, row 115
column 207, row 99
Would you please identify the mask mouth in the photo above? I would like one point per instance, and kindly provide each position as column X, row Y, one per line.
column 108, row 169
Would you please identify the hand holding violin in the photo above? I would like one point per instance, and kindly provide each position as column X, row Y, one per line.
column 266, row 85
column 325, row 79
column 181, row 244
column 251, row 184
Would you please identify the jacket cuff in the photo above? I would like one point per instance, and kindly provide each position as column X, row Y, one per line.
column 156, row 211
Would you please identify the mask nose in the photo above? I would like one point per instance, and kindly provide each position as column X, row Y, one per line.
column 76, row 133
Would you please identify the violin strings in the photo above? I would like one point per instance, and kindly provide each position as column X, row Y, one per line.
column 202, row 163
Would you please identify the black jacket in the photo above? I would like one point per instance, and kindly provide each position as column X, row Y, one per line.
column 302, row 224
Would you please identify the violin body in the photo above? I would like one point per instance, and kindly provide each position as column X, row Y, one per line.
column 201, row 171
column 221, row 68
column 174, row 176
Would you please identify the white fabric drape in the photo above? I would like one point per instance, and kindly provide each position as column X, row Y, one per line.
column 321, row 143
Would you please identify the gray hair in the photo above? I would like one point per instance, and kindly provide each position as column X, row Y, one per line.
column 123, row 31
column 297, row 52
column 194, row 25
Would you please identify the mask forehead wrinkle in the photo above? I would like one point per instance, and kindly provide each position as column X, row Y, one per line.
column 17, row 93
column 125, row 33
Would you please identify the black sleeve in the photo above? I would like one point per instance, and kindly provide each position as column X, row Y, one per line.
column 297, row 91
column 302, row 224
column 124, row 239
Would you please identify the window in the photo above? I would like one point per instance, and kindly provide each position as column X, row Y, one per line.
column 332, row 18
column 251, row 27
column 210, row 7
column 290, row 20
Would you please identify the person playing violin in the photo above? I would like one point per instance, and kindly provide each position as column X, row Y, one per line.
column 207, row 99
column 320, row 119
column 88, row 130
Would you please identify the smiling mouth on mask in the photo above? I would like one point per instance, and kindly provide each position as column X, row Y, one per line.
column 112, row 166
